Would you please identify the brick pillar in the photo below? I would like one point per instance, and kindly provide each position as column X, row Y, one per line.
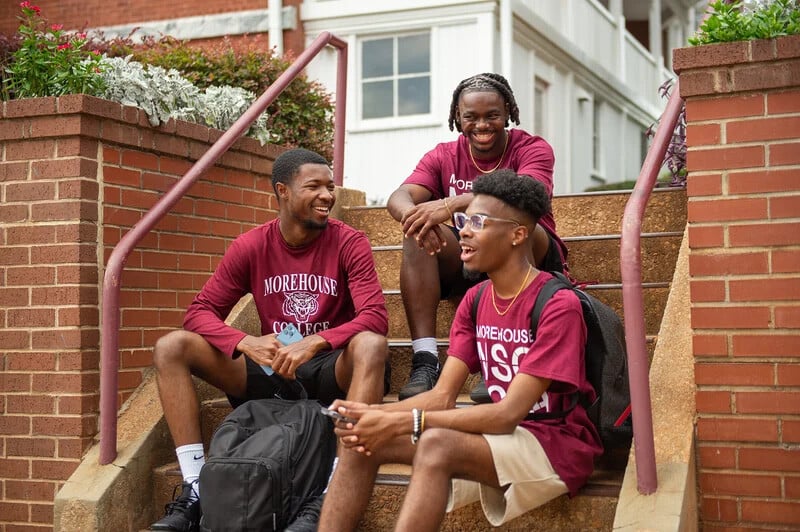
column 743, row 114
column 48, row 305
column 76, row 173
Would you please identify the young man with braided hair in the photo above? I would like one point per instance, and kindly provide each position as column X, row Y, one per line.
column 488, row 452
column 440, row 186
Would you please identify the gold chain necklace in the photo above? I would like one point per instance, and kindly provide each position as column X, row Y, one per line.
column 519, row 291
column 481, row 170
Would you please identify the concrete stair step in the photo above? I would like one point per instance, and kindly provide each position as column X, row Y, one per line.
column 599, row 213
column 576, row 215
column 655, row 297
column 593, row 507
column 591, row 259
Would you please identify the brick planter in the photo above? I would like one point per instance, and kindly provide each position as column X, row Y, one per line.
column 76, row 173
column 743, row 113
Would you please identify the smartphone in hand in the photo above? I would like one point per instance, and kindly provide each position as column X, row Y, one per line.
column 288, row 335
column 337, row 416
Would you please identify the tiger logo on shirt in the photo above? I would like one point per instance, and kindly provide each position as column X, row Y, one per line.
column 301, row 305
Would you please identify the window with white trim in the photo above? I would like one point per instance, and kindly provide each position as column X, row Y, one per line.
column 396, row 76
column 597, row 146
column 540, row 87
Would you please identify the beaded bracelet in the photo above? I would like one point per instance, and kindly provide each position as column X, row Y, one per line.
column 416, row 433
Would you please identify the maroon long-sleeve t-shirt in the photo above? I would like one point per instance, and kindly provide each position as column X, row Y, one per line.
column 328, row 287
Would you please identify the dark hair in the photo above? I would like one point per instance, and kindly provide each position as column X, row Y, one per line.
column 289, row 162
column 487, row 81
column 520, row 192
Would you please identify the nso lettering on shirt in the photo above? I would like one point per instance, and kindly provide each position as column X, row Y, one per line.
column 505, row 346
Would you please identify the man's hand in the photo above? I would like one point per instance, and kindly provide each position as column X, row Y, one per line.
column 284, row 359
column 421, row 222
column 290, row 357
column 373, row 427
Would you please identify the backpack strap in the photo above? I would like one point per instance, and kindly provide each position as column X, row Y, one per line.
column 474, row 309
column 558, row 282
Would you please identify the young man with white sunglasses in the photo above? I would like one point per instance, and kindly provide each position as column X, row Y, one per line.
column 488, row 452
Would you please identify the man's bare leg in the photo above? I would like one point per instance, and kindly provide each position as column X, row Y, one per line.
column 420, row 288
column 176, row 357
column 361, row 367
column 443, row 454
column 352, row 484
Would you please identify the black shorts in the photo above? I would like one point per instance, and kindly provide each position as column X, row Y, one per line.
column 550, row 263
column 318, row 377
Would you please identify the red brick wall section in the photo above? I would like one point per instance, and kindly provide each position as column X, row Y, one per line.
column 75, row 174
column 743, row 113
column 80, row 14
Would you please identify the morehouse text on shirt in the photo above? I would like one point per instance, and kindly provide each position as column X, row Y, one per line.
column 328, row 287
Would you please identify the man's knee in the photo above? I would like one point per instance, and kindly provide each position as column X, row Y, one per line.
column 172, row 349
column 435, row 449
column 369, row 348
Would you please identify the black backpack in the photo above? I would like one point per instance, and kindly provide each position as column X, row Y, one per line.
column 266, row 460
column 606, row 363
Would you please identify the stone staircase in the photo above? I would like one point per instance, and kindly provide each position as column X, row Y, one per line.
column 589, row 224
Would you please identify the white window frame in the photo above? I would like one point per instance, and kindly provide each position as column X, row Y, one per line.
column 598, row 163
column 395, row 122
column 541, row 122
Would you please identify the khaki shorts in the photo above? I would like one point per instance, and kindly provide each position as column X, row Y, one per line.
column 525, row 473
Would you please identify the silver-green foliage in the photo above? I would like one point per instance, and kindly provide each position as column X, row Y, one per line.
column 165, row 94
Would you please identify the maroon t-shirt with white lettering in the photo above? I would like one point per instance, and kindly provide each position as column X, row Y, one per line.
column 500, row 347
column 447, row 170
column 328, row 287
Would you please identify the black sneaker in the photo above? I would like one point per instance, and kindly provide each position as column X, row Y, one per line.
column 182, row 514
column 479, row 393
column 424, row 373
column 308, row 518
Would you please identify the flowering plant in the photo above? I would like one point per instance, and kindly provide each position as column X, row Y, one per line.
column 50, row 61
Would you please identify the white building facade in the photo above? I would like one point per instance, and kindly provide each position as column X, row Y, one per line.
column 581, row 79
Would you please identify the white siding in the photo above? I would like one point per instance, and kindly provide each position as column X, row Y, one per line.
column 575, row 46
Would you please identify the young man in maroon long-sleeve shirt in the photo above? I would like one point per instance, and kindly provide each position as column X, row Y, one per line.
column 303, row 269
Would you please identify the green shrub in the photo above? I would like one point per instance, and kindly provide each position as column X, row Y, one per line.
column 48, row 61
column 728, row 22
column 302, row 115
column 212, row 85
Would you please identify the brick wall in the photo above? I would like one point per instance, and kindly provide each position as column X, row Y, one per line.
column 743, row 113
column 75, row 174
column 79, row 14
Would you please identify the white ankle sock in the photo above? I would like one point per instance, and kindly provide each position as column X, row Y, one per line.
column 424, row 344
column 191, row 460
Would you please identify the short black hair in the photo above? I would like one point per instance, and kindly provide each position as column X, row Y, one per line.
column 488, row 81
column 520, row 192
column 289, row 162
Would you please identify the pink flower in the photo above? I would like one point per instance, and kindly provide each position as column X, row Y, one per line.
column 56, row 27
column 80, row 35
column 64, row 46
column 27, row 5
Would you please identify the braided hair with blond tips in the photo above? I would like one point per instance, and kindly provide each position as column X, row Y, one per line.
column 487, row 81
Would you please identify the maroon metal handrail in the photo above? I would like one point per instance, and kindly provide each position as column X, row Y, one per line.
column 109, row 352
column 633, row 298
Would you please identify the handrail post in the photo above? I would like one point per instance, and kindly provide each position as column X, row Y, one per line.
column 109, row 342
column 633, row 298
